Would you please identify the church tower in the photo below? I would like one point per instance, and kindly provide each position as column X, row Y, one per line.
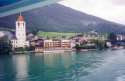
column 20, row 41
column 21, row 31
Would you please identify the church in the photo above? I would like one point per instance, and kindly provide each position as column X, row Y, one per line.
column 20, row 39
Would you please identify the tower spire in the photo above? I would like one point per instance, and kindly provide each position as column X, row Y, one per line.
column 20, row 14
column 20, row 17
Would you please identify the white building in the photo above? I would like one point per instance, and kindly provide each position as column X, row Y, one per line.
column 20, row 39
column 119, row 37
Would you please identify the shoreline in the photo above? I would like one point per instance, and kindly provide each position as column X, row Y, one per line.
column 53, row 51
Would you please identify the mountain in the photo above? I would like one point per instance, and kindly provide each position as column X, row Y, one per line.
column 57, row 17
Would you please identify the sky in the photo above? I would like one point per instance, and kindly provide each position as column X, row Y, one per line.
column 112, row 10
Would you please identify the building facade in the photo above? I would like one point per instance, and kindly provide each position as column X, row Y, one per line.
column 43, row 45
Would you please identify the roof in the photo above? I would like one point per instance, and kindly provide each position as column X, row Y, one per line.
column 20, row 18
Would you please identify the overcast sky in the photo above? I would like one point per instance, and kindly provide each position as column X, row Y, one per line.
column 113, row 10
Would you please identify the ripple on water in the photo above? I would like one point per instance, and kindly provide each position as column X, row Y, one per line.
column 120, row 78
column 89, row 66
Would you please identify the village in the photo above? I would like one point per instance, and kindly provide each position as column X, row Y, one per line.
column 57, row 42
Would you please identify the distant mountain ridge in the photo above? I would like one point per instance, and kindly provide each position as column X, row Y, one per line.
column 59, row 18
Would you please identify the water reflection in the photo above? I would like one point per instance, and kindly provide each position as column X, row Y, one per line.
column 81, row 66
column 110, row 70
column 58, row 60
column 20, row 63
column 52, row 60
column 67, row 59
column 6, row 68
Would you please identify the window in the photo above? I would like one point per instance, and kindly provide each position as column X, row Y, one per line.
column 18, row 24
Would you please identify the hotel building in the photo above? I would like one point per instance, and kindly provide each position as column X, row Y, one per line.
column 43, row 45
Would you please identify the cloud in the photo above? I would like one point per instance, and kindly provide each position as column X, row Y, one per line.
column 118, row 2
column 106, row 9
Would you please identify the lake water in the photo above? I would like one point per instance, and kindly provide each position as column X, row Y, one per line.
column 106, row 65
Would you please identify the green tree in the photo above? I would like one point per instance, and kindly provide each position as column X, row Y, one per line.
column 112, row 37
column 5, row 45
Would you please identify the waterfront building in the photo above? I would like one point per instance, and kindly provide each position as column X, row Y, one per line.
column 2, row 34
column 36, row 45
column 86, row 37
column 56, row 43
column 48, row 44
column 119, row 37
column 108, row 44
column 41, row 45
column 65, row 44
column 37, row 42
column 20, row 39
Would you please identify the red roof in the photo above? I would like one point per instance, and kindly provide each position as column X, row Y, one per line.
column 20, row 18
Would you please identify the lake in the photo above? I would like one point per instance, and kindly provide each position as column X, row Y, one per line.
column 108, row 65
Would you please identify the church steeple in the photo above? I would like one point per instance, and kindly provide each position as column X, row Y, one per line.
column 20, row 17
column 20, row 13
column 20, row 28
column 20, row 33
